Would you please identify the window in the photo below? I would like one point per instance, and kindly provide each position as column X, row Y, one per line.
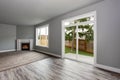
column 42, row 36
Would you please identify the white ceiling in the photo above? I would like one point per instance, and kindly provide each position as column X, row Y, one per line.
column 31, row 12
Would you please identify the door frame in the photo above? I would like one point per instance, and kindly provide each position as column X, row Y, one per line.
column 95, row 33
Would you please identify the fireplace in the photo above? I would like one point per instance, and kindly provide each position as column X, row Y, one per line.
column 25, row 46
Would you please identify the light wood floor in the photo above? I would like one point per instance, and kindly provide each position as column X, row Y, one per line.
column 57, row 69
column 13, row 59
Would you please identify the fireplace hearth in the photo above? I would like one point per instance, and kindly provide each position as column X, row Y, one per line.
column 25, row 46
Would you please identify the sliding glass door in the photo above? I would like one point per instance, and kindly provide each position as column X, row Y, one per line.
column 79, row 38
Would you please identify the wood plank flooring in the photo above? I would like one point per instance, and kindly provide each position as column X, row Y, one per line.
column 57, row 69
column 13, row 59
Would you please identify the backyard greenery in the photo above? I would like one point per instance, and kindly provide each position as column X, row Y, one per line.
column 87, row 31
column 68, row 50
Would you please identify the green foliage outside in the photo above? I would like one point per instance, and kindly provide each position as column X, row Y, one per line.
column 88, row 34
column 70, row 32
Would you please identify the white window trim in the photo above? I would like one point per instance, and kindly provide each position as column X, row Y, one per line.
column 47, row 25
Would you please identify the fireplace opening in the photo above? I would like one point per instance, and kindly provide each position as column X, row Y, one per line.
column 25, row 46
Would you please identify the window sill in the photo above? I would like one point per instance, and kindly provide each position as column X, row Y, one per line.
column 42, row 46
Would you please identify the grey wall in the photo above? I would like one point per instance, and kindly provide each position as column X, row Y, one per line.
column 7, row 37
column 108, row 26
column 25, row 32
column 9, row 33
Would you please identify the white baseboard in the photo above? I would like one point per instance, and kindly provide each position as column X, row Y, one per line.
column 7, row 50
column 108, row 68
column 52, row 54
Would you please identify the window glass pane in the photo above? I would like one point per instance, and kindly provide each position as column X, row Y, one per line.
column 42, row 36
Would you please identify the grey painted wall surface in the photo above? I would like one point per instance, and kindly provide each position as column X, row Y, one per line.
column 25, row 32
column 7, row 37
column 108, row 37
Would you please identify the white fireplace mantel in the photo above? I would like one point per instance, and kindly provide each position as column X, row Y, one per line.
column 19, row 41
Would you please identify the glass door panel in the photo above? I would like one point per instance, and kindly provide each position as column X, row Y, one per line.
column 85, row 43
column 70, row 42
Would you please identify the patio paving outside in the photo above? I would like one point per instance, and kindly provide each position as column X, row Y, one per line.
column 82, row 58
